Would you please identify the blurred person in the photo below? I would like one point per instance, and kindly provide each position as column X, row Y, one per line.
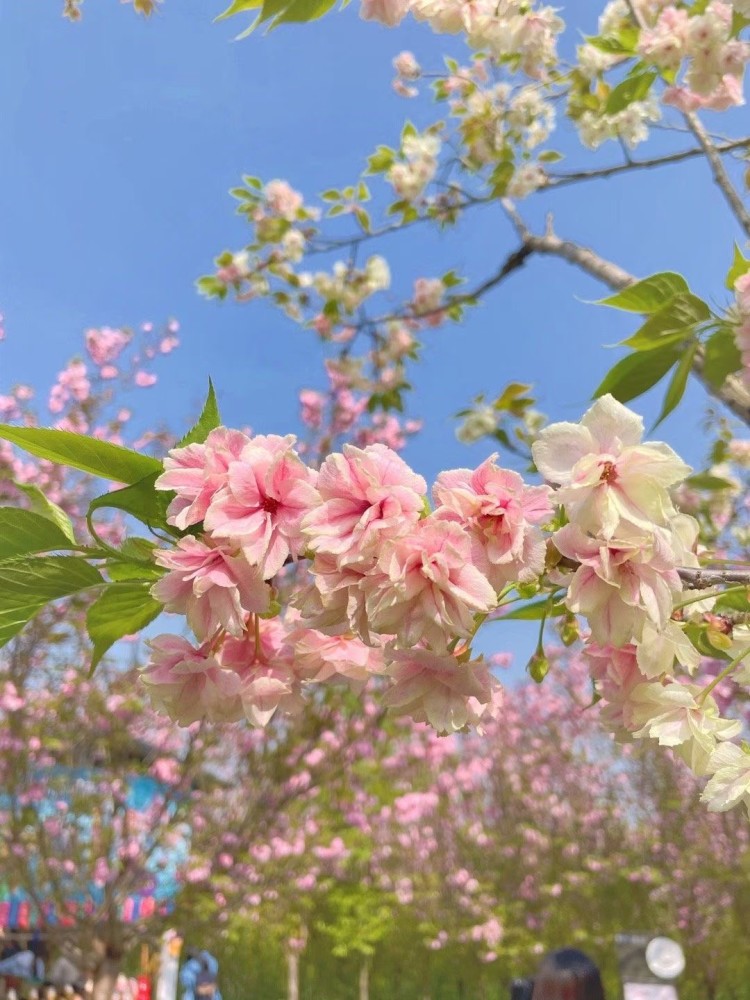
column 199, row 965
column 567, row 974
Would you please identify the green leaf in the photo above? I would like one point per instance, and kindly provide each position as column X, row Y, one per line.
column 697, row 635
column 514, row 398
column 28, row 584
column 624, row 40
column 23, row 532
column 142, row 500
column 208, row 421
column 674, row 321
column 549, row 156
column 636, row 373
column 238, row 7
column 303, row 10
column 272, row 8
column 40, row 504
column 536, row 611
column 632, row 88
column 122, row 609
column 721, row 356
column 705, row 481
column 99, row 458
column 737, row 601
column 382, row 159
column 648, row 295
column 647, row 342
column 500, row 178
column 141, row 565
column 740, row 266
column 676, row 388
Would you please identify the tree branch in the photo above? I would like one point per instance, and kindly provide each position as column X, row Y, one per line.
column 697, row 579
column 732, row 393
column 719, row 171
column 563, row 180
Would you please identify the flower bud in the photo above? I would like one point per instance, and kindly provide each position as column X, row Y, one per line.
column 538, row 666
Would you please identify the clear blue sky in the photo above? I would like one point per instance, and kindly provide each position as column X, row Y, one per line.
column 122, row 137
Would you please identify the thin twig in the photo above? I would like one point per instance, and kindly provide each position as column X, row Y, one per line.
column 562, row 180
column 697, row 579
column 718, row 169
column 732, row 392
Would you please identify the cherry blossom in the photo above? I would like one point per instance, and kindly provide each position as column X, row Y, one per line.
column 213, row 586
column 606, row 475
column 268, row 490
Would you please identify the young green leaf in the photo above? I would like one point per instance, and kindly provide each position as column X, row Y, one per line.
column 636, row 373
column 137, row 555
column 24, row 532
column 676, row 388
column 740, row 266
column 705, row 481
column 648, row 295
column 141, row 500
column 632, row 88
column 674, row 321
column 536, row 611
column 721, row 356
column 40, row 504
column 238, row 7
column 122, row 609
column 208, row 421
column 99, row 458
column 27, row 585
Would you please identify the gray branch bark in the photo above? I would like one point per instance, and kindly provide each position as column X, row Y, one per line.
column 732, row 393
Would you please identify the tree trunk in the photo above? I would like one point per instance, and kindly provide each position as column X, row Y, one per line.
column 105, row 978
column 364, row 980
column 292, row 978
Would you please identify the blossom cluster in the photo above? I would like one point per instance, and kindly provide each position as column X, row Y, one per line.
column 620, row 553
column 715, row 59
column 411, row 176
column 377, row 582
column 392, row 588
column 511, row 28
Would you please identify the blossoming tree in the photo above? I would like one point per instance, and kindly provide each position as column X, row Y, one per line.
column 294, row 565
column 429, row 865
column 107, row 810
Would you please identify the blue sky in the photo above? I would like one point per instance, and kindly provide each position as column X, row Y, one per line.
column 124, row 135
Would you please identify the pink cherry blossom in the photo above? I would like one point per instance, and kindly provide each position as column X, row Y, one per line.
column 105, row 345
column 616, row 675
column 335, row 600
column 605, row 475
column 312, row 407
column 437, row 689
column 368, row 495
column 188, row 684
column 212, row 586
column 269, row 677
column 283, row 200
column 729, row 767
column 501, row 514
column 621, row 583
column 426, row 586
column 196, row 472
column 321, row 657
column 389, row 12
column 406, row 65
column 268, row 491
column 671, row 714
